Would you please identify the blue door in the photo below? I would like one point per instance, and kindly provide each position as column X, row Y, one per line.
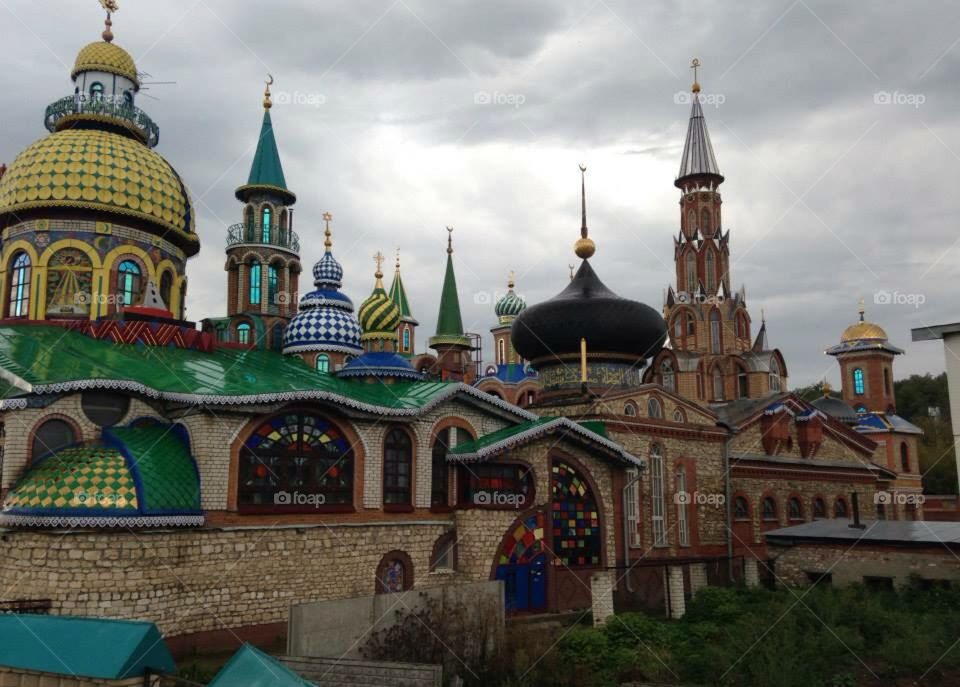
column 525, row 584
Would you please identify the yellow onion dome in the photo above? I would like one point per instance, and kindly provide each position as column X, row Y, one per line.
column 379, row 316
column 861, row 330
column 103, row 171
column 102, row 56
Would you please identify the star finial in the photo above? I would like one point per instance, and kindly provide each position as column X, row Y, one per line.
column 326, row 232
column 695, row 66
column 449, row 240
column 267, row 103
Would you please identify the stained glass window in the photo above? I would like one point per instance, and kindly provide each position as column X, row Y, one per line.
column 265, row 225
column 397, row 467
column 255, row 283
column 858, row 382
column 323, row 363
column 525, row 542
column 20, row 286
column 296, row 461
column 392, row 578
column 243, row 333
column 576, row 520
column 273, row 281
column 128, row 282
column 768, row 509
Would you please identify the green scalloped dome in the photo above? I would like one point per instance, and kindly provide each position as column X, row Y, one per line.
column 379, row 316
column 510, row 305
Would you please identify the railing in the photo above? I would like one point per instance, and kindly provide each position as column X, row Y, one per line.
column 243, row 233
column 80, row 105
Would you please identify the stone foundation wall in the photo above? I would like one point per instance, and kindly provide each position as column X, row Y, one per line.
column 201, row 580
column 12, row 677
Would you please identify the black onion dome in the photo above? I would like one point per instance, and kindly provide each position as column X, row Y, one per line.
column 836, row 408
column 612, row 325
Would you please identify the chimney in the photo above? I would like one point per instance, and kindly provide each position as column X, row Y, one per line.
column 855, row 504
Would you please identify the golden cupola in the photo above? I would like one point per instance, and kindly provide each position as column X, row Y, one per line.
column 99, row 162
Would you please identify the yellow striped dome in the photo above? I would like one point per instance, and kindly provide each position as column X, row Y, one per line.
column 105, row 57
column 99, row 170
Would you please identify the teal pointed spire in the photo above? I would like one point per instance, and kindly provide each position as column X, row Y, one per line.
column 398, row 294
column 266, row 172
column 449, row 321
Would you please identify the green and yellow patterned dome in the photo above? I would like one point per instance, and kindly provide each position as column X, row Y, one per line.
column 379, row 316
column 100, row 170
column 102, row 56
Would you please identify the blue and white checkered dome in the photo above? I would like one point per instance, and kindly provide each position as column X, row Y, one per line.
column 327, row 271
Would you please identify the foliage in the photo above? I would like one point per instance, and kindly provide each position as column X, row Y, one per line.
column 916, row 395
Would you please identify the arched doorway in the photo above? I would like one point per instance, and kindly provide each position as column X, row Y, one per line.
column 521, row 564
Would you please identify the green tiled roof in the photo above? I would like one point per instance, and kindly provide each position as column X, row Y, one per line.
column 266, row 169
column 136, row 476
column 398, row 295
column 251, row 667
column 83, row 647
column 514, row 436
column 49, row 359
column 449, row 321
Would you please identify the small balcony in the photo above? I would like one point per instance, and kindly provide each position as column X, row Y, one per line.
column 255, row 234
column 75, row 108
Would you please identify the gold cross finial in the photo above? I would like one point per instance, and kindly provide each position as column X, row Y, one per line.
column 110, row 6
column 695, row 66
column 449, row 240
column 326, row 232
column 825, row 387
column 267, row 103
column 378, row 258
column 510, row 280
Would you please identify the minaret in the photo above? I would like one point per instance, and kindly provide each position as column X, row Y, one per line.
column 452, row 346
column 406, row 341
column 263, row 261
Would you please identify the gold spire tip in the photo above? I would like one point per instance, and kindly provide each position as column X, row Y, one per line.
column 584, row 247
column 110, row 6
column 695, row 66
column 267, row 103
column 378, row 258
column 862, row 308
column 328, row 244
column 510, row 280
column 825, row 387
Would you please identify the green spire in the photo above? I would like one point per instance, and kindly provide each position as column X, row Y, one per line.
column 399, row 295
column 266, row 172
column 449, row 321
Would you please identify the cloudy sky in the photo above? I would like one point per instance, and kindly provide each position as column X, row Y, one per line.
column 834, row 124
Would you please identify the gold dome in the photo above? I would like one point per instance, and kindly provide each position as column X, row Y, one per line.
column 863, row 330
column 105, row 57
column 99, row 170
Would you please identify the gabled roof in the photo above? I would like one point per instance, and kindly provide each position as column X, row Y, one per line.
column 251, row 667
column 83, row 647
column 698, row 157
column 509, row 438
column 41, row 359
column 869, row 423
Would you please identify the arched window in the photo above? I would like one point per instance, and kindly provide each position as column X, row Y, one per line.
column 248, row 221
column 658, row 500
column 743, row 331
column 682, row 499
column 711, row 273
column 128, row 282
column 397, row 468
column 741, row 509
column 575, row 518
column 794, row 508
column 323, row 362
column 52, row 436
column 501, row 352
column 691, row 221
column 715, row 345
column 19, row 286
column 886, row 381
column 858, row 381
column 705, row 220
column 128, row 99
column 690, row 271
column 691, row 325
column 394, row 574
column 654, row 408
column 666, row 374
column 679, row 416
column 840, row 507
column 166, row 288
column 265, row 224
column 819, row 508
column 904, row 457
column 630, row 409
column 295, row 462
column 243, row 333
column 255, row 283
column 440, row 472
column 406, row 339
column 742, row 383
column 96, row 91
column 717, row 384
column 273, row 283
column 774, row 375
column 768, row 509
column 678, row 329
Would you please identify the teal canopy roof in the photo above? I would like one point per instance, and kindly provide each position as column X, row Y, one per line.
column 251, row 667
column 449, row 321
column 133, row 477
column 266, row 172
column 41, row 359
column 84, row 647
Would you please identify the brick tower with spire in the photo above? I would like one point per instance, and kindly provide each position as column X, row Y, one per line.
column 453, row 347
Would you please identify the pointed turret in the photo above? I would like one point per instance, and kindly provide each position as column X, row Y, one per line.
column 698, row 158
column 450, row 342
column 266, row 172
column 761, row 344
column 405, row 330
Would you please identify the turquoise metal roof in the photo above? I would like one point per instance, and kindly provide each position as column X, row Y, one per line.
column 83, row 647
column 251, row 667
